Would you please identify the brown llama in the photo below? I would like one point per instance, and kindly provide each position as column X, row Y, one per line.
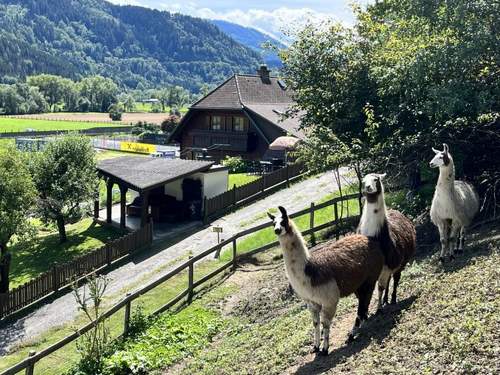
column 394, row 231
column 331, row 271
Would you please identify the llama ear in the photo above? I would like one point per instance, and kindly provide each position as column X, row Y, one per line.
column 271, row 216
column 435, row 151
column 283, row 211
column 446, row 148
column 381, row 176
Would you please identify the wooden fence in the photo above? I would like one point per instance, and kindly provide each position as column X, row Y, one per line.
column 218, row 205
column 61, row 276
column 339, row 224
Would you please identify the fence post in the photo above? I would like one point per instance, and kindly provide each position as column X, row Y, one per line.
column 263, row 179
column 126, row 321
column 190, row 280
column 31, row 365
column 287, row 176
column 234, row 194
column 55, row 279
column 311, row 224
column 336, row 218
column 108, row 254
column 234, row 254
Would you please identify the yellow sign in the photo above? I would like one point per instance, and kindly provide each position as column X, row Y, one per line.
column 140, row 148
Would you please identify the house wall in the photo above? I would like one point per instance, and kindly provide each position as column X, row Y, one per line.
column 213, row 183
column 200, row 121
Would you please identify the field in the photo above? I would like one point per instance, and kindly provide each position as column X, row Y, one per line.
column 101, row 119
column 239, row 179
column 8, row 124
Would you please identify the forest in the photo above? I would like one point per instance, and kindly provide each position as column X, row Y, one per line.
column 138, row 48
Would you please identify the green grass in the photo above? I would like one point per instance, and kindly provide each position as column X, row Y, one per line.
column 239, row 179
column 18, row 125
column 32, row 257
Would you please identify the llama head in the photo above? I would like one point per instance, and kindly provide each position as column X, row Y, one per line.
column 372, row 186
column 281, row 223
column 441, row 158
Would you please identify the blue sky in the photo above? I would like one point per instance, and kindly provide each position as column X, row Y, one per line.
column 271, row 16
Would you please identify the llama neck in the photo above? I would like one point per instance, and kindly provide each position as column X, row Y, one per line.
column 446, row 176
column 373, row 216
column 295, row 251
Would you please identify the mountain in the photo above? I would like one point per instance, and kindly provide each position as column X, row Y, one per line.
column 137, row 47
column 253, row 39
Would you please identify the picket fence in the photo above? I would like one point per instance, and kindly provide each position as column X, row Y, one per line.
column 63, row 275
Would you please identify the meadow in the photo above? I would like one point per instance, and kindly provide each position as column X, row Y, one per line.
column 9, row 124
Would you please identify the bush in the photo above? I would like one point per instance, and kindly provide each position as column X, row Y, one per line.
column 169, row 124
column 115, row 112
column 235, row 164
column 141, row 128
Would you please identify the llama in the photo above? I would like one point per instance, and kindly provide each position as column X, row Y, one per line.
column 331, row 271
column 394, row 231
column 454, row 205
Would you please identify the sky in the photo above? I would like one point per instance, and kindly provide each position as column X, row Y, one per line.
column 270, row 16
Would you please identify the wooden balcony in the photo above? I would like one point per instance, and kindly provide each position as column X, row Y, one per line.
column 235, row 141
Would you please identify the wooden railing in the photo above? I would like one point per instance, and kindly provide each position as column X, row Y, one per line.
column 61, row 276
column 219, row 204
column 339, row 224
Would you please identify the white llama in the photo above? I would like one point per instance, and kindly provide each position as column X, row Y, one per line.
column 395, row 232
column 334, row 270
column 454, row 205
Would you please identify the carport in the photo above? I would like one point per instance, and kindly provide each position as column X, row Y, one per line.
column 143, row 175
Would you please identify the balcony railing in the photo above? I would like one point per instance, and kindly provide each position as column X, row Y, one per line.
column 235, row 141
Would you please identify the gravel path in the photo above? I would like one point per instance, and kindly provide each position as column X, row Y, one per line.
column 63, row 309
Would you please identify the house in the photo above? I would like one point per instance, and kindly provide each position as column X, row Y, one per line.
column 241, row 117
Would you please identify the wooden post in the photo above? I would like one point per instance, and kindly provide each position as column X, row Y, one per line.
column 123, row 206
column 144, row 208
column 311, row 224
column 126, row 321
column 234, row 254
column 30, row 370
column 96, row 206
column 336, row 218
column 287, row 176
column 205, row 211
column 108, row 253
column 55, row 279
column 234, row 194
column 263, row 179
column 109, row 200
column 190, row 280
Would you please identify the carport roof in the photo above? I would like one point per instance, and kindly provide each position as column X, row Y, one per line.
column 143, row 173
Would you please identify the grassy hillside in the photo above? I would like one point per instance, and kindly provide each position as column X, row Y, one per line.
column 446, row 321
column 18, row 125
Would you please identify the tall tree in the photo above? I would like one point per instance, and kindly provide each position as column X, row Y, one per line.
column 51, row 86
column 17, row 194
column 66, row 179
column 101, row 92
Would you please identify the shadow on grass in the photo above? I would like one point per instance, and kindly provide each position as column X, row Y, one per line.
column 376, row 328
column 31, row 258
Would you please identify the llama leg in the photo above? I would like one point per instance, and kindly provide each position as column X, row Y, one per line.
column 453, row 240
column 396, row 277
column 383, row 285
column 327, row 314
column 386, row 294
column 315, row 309
column 443, row 237
column 364, row 294
column 461, row 240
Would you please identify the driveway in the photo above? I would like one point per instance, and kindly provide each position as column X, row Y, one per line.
column 63, row 309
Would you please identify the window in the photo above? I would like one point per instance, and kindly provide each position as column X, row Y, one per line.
column 238, row 124
column 216, row 122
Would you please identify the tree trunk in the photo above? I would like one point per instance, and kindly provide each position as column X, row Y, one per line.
column 5, row 259
column 62, row 229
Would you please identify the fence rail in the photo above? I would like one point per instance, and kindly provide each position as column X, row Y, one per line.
column 339, row 224
column 89, row 131
column 61, row 276
column 217, row 205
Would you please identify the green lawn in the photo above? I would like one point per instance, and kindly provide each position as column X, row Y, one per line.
column 18, row 125
column 239, row 179
column 33, row 257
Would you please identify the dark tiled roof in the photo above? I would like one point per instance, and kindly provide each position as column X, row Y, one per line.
column 274, row 113
column 224, row 96
column 142, row 173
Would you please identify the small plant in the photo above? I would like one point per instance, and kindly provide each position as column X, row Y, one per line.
column 93, row 345
column 235, row 164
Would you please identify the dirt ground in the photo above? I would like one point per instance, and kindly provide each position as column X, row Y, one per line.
column 127, row 118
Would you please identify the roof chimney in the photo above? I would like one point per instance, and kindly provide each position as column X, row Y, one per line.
column 263, row 73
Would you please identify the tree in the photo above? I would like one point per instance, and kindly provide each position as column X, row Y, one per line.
column 168, row 125
column 115, row 112
column 52, row 87
column 66, row 179
column 101, row 92
column 17, row 194
column 127, row 101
